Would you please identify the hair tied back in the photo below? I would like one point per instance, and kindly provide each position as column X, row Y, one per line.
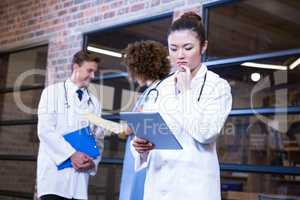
column 191, row 16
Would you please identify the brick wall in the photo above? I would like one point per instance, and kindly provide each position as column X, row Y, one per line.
column 61, row 23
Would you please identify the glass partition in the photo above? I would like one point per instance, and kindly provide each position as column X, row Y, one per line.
column 253, row 186
column 271, row 82
column 247, row 27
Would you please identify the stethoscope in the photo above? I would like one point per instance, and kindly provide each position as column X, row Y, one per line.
column 156, row 92
column 67, row 105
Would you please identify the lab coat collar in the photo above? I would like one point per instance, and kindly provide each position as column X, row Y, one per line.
column 201, row 72
column 72, row 87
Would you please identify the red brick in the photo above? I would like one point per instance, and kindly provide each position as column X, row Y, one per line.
column 62, row 12
column 137, row 7
column 74, row 9
column 85, row 6
column 155, row 3
column 109, row 15
column 123, row 11
column 166, row 1
column 103, row 8
column 68, row 4
column 117, row 4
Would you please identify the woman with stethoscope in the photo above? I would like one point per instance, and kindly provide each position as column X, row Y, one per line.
column 194, row 102
column 147, row 64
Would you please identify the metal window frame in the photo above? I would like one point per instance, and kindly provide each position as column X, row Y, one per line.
column 131, row 23
column 221, row 63
column 118, row 26
column 21, row 89
column 17, row 194
column 20, row 49
column 205, row 11
column 269, row 169
column 255, row 57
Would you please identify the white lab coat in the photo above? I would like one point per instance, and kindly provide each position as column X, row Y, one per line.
column 55, row 120
column 192, row 173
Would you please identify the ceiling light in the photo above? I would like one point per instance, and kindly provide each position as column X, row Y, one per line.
column 295, row 64
column 264, row 66
column 103, row 51
column 255, row 77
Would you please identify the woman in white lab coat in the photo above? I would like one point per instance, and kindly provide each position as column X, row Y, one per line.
column 195, row 103
column 147, row 64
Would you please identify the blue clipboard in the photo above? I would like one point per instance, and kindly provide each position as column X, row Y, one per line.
column 82, row 140
column 152, row 127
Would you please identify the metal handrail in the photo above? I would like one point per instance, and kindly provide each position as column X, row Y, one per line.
column 33, row 158
column 269, row 169
column 21, row 89
column 234, row 112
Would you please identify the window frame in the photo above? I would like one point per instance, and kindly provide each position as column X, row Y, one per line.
column 225, row 62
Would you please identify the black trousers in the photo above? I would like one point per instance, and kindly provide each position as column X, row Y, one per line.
column 53, row 197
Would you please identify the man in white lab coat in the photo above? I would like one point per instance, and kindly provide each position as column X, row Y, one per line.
column 59, row 113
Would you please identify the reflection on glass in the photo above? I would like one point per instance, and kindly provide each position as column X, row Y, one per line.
column 114, row 147
column 261, row 140
column 16, row 142
column 26, row 60
column 129, row 99
column 252, row 186
column 110, row 40
column 106, row 183
column 105, row 95
column 17, row 174
column 13, row 109
column 249, row 27
column 274, row 88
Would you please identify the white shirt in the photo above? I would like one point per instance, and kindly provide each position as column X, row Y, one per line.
column 57, row 117
column 191, row 173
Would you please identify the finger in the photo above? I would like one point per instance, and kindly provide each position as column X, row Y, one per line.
column 81, row 157
column 148, row 144
column 75, row 165
column 140, row 140
column 141, row 147
column 143, row 150
column 91, row 165
column 186, row 69
column 128, row 131
column 87, row 158
column 141, row 144
column 85, row 167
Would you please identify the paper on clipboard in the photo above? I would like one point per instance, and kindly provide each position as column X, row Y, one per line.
column 106, row 124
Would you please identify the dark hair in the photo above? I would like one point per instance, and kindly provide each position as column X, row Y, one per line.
column 82, row 56
column 147, row 60
column 189, row 21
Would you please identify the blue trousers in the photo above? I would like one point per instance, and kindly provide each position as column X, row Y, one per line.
column 132, row 183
